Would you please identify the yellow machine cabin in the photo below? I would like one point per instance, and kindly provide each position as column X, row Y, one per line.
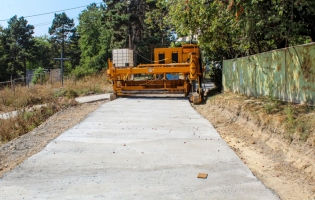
column 154, row 78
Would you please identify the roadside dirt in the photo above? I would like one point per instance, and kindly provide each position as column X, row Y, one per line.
column 284, row 167
column 16, row 151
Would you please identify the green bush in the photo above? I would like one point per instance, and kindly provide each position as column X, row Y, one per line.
column 81, row 71
column 96, row 89
column 71, row 93
column 289, row 113
column 269, row 107
column 60, row 93
column 83, row 91
column 39, row 74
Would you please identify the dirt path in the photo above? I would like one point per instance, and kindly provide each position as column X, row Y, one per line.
column 16, row 151
column 285, row 169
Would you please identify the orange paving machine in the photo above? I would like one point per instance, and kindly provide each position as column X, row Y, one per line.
column 185, row 62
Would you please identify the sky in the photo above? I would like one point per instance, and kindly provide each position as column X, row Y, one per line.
column 9, row 8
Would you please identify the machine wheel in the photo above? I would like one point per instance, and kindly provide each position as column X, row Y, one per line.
column 195, row 98
column 112, row 96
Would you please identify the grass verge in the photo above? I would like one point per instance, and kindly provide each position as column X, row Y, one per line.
column 52, row 96
column 295, row 121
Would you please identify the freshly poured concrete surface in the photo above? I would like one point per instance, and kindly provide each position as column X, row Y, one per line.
column 161, row 159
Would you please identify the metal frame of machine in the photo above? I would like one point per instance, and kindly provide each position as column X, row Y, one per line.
column 183, row 60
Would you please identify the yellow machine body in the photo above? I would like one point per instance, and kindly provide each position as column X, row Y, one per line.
column 184, row 61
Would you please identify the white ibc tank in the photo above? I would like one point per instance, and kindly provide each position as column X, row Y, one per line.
column 122, row 58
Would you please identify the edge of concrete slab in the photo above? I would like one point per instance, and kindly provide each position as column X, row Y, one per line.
column 93, row 98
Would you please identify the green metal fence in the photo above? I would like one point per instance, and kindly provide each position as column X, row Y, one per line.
column 287, row 74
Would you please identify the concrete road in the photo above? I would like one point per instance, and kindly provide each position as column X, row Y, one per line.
column 93, row 98
column 135, row 148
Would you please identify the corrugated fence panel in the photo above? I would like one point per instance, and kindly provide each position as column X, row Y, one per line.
column 287, row 74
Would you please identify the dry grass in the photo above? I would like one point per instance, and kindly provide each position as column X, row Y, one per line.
column 25, row 122
column 94, row 84
column 297, row 121
column 53, row 96
column 24, row 96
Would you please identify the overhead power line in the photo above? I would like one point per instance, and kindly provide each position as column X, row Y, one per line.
column 42, row 24
column 51, row 12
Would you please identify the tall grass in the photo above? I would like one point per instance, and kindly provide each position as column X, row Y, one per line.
column 24, row 97
column 52, row 95
column 25, row 121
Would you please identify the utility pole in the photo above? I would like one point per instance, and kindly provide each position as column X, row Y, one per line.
column 129, row 12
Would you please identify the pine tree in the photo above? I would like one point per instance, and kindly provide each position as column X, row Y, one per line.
column 106, row 27
column 3, row 57
column 19, row 44
column 61, row 31
column 42, row 53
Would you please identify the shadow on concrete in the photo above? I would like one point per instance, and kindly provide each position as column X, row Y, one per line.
column 153, row 97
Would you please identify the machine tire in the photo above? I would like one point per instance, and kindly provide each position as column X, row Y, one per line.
column 112, row 97
column 195, row 98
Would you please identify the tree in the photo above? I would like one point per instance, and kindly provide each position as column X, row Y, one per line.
column 74, row 50
column 3, row 58
column 149, row 29
column 106, row 27
column 42, row 53
column 62, row 31
column 18, row 45
column 95, row 39
column 235, row 28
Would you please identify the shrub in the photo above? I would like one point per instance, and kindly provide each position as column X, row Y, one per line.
column 289, row 113
column 269, row 107
column 39, row 74
column 71, row 93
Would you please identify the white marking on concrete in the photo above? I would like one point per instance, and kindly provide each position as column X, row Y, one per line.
column 93, row 98
column 136, row 149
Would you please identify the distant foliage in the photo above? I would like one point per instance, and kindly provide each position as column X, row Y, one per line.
column 16, row 47
column 64, row 35
column 39, row 75
column 235, row 28
column 105, row 27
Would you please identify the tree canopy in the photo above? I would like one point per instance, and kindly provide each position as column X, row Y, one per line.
column 225, row 29
column 17, row 46
column 234, row 28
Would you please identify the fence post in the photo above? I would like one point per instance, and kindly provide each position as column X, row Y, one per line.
column 14, row 87
column 75, row 80
column 51, row 78
column 40, row 77
column 11, row 84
